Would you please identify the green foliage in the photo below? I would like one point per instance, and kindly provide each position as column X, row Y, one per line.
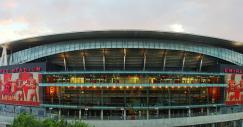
column 26, row 120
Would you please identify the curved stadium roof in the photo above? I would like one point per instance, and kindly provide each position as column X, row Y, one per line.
column 36, row 41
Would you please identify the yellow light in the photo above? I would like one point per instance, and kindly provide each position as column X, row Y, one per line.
column 166, row 87
column 114, row 87
column 120, row 87
column 178, row 87
column 94, row 86
column 160, row 87
column 127, row 87
column 52, row 90
column 107, row 86
column 134, row 87
column 184, row 86
column 153, row 86
column 172, row 87
column 140, row 87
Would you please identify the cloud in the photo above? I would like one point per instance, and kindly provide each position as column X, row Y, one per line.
column 177, row 28
column 218, row 18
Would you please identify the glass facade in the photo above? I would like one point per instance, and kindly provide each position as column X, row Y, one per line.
column 117, row 79
column 132, row 97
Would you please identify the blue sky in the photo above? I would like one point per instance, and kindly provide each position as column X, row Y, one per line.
column 27, row 18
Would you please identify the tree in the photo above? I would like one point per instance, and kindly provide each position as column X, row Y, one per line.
column 26, row 120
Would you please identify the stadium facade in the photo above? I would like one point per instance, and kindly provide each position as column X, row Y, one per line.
column 125, row 77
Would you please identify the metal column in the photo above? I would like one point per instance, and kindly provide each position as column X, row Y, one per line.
column 64, row 62
column 144, row 60
column 4, row 59
column 164, row 61
column 183, row 62
column 124, row 59
column 169, row 113
column 83, row 59
column 201, row 62
column 80, row 114
column 101, row 114
column 59, row 114
column 147, row 112
column 124, row 114
column 104, row 59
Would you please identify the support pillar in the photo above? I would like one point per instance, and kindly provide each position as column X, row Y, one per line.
column 80, row 114
column 234, row 123
column 124, row 59
column 164, row 61
column 201, row 62
column 104, row 59
column 207, row 111
column 147, row 114
column 124, row 114
column 144, row 61
column 101, row 114
column 183, row 62
column 169, row 113
column 65, row 62
column 83, row 59
column 4, row 59
column 59, row 114
column 189, row 112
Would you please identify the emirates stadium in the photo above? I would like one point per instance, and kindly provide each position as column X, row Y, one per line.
column 124, row 79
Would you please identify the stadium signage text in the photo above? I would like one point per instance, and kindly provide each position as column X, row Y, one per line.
column 21, row 69
column 28, row 67
column 231, row 70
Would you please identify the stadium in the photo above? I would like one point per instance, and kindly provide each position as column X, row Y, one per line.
column 124, row 78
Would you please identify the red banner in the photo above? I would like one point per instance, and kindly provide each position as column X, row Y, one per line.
column 234, row 93
column 20, row 88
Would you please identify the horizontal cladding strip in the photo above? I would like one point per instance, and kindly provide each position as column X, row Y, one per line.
column 119, row 108
column 34, row 53
column 131, row 85
column 132, row 72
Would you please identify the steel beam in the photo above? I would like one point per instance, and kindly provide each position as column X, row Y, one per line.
column 144, row 60
column 124, row 58
column 83, row 59
column 164, row 60
column 201, row 62
column 103, row 59
column 183, row 62
column 64, row 62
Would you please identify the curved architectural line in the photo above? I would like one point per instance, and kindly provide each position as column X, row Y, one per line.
column 33, row 53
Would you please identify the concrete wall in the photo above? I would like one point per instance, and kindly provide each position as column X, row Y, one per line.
column 155, row 122
column 168, row 122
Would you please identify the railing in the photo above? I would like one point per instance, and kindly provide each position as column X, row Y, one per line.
column 215, row 111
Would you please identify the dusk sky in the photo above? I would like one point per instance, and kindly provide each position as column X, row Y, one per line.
column 27, row 18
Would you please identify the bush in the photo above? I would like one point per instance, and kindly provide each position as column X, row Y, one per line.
column 26, row 120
